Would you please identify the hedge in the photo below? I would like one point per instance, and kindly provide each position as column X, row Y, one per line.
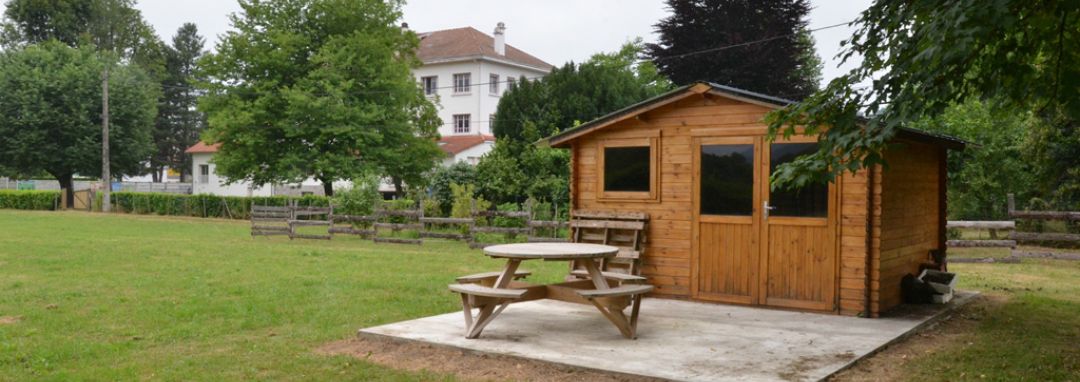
column 29, row 200
column 203, row 205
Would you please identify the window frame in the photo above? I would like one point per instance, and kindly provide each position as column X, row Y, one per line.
column 493, row 84
column 511, row 83
column 650, row 139
column 468, row 123
column 434, row 85
column 463, row 89
column 204, row 173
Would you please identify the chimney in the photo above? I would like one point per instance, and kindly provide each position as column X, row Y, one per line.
column 404, row 27
column 500, row 39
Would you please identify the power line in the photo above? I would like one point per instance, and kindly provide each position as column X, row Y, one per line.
column 742, row 44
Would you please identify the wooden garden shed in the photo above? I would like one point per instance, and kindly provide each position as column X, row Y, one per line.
column 696, row 159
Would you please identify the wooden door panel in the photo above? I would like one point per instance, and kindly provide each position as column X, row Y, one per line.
column 801, row 267
column 726, row 258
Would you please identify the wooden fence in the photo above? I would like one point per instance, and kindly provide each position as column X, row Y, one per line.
column 406, row 226
column 1016, row 236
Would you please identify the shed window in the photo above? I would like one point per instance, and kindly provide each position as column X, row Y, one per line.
column 727, row 180
column 627, row 169
column 809, row 201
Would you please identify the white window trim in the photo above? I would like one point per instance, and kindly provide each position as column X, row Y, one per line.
column 468, row 123
column 468, row 87
column 435, row 85
column 493, row 84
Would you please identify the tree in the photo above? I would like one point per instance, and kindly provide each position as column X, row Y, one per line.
column 574, row 93
column 50, row 113
column 178, row 123
column 113, row 26
column 516, row 169
column 919, row 58
column 701, row 40
column 980, row 179
column 317, row 88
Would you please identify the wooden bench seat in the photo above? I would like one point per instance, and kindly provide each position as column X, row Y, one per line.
column 624, row 290
column 473, row 279
column 615, row 276
column 479, row 290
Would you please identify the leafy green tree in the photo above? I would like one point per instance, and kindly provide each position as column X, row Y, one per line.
column 50, row 113
column 786, row 66
column 113, row 26
column 317, row 88
column 981, row 177
column 516, row 169
column 577, row 93
column 443, row 177
column 178, row 123
column 1053, row 147
column 919, row 58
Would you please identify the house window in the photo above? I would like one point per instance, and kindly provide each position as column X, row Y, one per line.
column 510, row 83
column 627, row 169
column 462, row 83
column 431, row 84
column 493, row 84
column 727, row 179
column 461, row 123
column 204, row 173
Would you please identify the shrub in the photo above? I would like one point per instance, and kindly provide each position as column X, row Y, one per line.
column 29, row 200
column 465, row 199
column 432, row 208
column 203, row 205
column 359, row 200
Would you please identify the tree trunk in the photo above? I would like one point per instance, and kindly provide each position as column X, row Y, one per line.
column 68, row 188
column 399, row 191
column 328, row 187
column 155, row 175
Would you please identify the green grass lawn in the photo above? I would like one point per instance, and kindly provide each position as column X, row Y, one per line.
column 141, row 297
column 122, row 297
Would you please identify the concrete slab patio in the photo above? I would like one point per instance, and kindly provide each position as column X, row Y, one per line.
column 677, row 340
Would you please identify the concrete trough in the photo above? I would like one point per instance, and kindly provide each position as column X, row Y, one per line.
column 679, row 340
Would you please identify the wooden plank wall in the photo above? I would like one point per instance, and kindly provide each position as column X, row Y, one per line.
column 909, row 219
column 853, row 231
column 667, row 251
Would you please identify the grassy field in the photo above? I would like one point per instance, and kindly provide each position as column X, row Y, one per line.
column 96, row 297
column 140, row 297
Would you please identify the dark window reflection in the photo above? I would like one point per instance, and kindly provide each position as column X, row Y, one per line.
column 627, row 169
column 727, row 180
column 809, row 201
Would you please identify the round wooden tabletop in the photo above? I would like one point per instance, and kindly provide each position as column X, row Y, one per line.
column 551, row 251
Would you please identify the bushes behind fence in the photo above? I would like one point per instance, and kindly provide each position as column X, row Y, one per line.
column 29, row 200
column 213, row 206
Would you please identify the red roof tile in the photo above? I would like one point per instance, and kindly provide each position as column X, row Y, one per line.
column 462, row 43
column 202, row 147
column 455, row 144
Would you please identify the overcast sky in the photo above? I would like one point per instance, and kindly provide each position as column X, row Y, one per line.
column 556, row 31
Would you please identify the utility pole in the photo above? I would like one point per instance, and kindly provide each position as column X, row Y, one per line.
column 106, row 202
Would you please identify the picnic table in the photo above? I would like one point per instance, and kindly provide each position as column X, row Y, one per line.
column 492, row 292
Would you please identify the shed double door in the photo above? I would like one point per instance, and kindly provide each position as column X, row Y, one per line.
column 753, row 245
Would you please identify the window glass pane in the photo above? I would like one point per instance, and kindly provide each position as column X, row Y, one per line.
column 727, row 180
column 809, row 201
column 627, row 169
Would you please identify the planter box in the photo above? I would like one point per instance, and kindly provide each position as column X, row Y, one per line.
column 942, row 282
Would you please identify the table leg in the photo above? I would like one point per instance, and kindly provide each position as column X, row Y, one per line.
column 490, row 307
column 595, row 274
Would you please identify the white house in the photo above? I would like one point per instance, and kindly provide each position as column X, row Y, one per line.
column 206, row 181
column 464, row 71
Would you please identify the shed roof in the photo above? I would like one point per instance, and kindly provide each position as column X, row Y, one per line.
column 682, row 92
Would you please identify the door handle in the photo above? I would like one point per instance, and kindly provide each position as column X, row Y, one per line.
column 766, row 208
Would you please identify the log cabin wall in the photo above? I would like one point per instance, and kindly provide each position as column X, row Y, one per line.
column 909, row 220
column 667, row 251
column 854, row 215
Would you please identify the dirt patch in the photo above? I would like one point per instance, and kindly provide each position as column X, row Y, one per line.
column 888, row 364
column 10, row 320
column 464, row 364
column 797, row 370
